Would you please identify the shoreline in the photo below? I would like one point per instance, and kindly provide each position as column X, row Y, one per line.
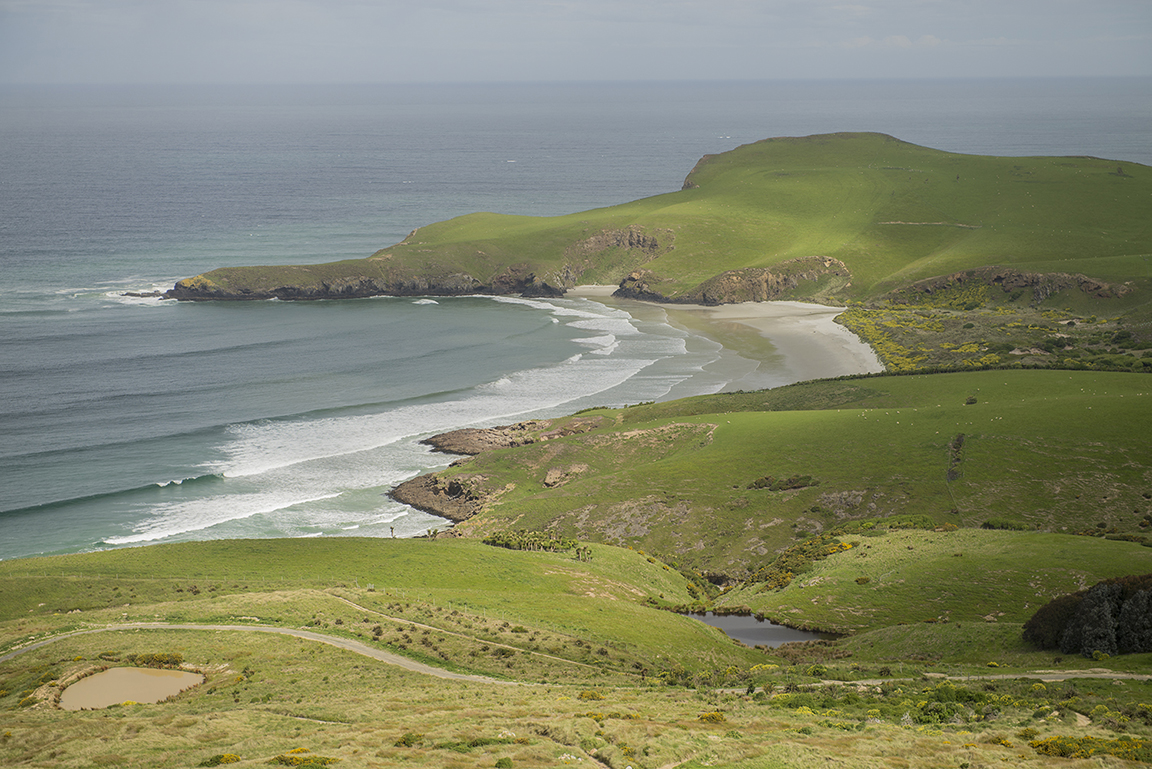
column 802, row 338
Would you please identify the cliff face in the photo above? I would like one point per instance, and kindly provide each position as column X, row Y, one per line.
column 204, row 288
column 754, row 284
column 722, row 237
column 456, row 499
column 1041, row 286
column 462, row 495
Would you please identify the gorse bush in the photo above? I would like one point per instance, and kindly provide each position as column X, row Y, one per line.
column 158, row 660
column 796, row 559
column 1126, row 748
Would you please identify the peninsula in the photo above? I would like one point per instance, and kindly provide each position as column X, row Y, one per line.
column 831, row 218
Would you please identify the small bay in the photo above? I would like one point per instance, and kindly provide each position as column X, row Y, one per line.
column 131, row 420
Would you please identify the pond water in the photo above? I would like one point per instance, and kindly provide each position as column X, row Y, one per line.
column 116, row 685
column 757, row 632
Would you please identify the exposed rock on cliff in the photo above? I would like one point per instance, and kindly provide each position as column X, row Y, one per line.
column 1040, row 285
column 754, row 284
column 513, row 280
column 456, row 499
column 632, row 238
column 463, row 495
column 476, row 440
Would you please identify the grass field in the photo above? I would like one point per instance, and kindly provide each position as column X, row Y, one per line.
column 1056, row 451
column 690, row 503
column 892, row 212
column 582, row 667
column 904, row 577
column 867, row 701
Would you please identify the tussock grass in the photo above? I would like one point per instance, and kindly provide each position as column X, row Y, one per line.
column 267, row 696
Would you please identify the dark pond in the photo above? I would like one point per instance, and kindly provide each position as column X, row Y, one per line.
column 756, row 632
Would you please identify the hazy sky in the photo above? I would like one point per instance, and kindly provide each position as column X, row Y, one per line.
column 299, row 41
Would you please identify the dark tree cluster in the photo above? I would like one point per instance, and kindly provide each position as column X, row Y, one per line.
column 530, row 540
column 1112, row 617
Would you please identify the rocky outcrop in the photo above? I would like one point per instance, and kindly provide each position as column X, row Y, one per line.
column 558, row 476
column 476, row 440
column 1041, row 285
column 457, row 498
column 754, row 284
column 460, row 496
column 631, row 238
column 512, row 281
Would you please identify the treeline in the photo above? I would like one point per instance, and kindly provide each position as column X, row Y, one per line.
column 1111, row 617
column 530, row 540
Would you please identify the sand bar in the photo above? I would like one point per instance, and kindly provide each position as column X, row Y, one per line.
column 799, row 341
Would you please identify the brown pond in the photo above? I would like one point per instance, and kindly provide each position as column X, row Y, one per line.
column 116, row 685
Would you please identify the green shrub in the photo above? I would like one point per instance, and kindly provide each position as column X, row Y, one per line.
column 409, row 740
column 1005, row 524
column 783, row 484
column 1087, row 747
column 504, row 763
column 287, row 759
column 530, row 540
column 220, row 758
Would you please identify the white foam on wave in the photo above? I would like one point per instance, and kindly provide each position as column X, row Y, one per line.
column 173, row 522
column 292, row 476
column 425, row 301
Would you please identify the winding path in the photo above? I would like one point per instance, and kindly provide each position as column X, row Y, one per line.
column 390, row 658
column 346, row 644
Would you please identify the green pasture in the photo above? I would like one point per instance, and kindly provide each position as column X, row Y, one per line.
column 1056, row 451
column 594, row 673
column 906, row 577
column 591, row 612
column 893, row 212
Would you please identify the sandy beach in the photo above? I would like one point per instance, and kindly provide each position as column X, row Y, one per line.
column 802, row 339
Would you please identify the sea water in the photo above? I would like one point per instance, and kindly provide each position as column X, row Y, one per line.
column 133, row 420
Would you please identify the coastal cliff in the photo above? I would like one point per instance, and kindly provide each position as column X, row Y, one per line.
column 463, row 495
column 834, row 218
column 302, row 283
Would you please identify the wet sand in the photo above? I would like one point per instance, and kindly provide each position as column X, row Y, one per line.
column 795, row 341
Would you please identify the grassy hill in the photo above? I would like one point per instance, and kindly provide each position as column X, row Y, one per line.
column 836, row 217
column 925, row 515
column 587, row 671
column 1057, row 451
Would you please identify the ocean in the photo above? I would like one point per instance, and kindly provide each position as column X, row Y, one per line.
column 128, row 421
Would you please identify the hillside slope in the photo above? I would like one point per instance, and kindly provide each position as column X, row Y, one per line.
column 724, row 482
column 832, row 217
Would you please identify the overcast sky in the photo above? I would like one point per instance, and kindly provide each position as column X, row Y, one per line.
column 307, row 41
